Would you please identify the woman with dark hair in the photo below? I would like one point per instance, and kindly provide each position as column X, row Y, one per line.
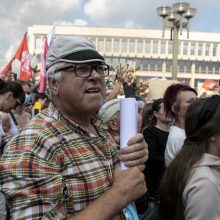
column 11, row 95
column 177, row 98
column 156, row 138
column 190, row 188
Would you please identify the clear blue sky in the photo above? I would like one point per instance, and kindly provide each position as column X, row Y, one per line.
column 17, row 15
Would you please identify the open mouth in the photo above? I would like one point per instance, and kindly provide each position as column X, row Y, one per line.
column 92, row 90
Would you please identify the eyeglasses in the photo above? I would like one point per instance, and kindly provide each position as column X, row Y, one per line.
column 85, row 70
column 18, row 102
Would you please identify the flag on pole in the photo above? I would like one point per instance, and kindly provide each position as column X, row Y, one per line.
column 7, row 69
column 23, row 55
column 43, row 68
column 47, row 42
column 210, row 84
column 51, row 34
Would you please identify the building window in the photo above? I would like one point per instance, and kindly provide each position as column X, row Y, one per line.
column 197, row 67
column 200, row 46
column 155, row 46
column 140, row 46
column 101, row 44
column 131, row 46
column 124, row 45
column 168, row 66
column 185, row 48
column 203, row 67
column 152, row 65
column 181, row 66
column 116, row 45
column 188, row 66
column 170, row 47
column 146, row 64
column 147, row 46
column 192, row 48
column 207, row 49
column 217, row 68
column 159, row 65
column 162, row 47
column 214, row 50
column 108, row 45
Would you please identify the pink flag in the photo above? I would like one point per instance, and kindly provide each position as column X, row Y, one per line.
column 47, row 42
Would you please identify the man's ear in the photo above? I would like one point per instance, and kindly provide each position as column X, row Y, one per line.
column 53, row 84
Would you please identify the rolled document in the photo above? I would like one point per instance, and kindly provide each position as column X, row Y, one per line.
column 128, row 128
column 128, row 122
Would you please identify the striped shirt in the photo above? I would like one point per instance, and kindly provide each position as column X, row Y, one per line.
column 54, row 169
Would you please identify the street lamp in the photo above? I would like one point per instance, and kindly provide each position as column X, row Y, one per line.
column 176, row 18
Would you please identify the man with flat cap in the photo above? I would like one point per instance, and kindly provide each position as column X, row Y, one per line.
column 64, row 164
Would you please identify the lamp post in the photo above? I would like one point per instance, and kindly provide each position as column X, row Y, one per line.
column 176, row 18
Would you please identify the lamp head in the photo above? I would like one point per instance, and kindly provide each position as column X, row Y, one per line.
column 173, row 16
column 190, row 13
column 181, row 7
column 163, row 11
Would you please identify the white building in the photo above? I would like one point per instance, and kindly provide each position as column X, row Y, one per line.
column 146, row 50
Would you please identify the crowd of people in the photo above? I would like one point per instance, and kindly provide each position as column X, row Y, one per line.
column 60, row 150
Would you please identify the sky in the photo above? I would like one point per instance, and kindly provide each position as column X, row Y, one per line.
column 17, row 15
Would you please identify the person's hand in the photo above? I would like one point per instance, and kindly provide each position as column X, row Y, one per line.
column 121, row 74
column 136, row 153
column 129, row 184
column 6, row 137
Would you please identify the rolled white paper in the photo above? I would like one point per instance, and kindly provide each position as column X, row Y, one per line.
column 128, row 122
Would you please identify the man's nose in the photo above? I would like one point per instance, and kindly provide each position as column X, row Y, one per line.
column 95, row 74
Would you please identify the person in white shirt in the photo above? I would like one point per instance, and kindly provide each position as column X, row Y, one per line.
column 177, row 99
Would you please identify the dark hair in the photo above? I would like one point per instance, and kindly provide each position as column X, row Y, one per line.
column 14, row 87
column 147, row 115
column 39, row 95
column 155, row 108
column 22, row 83
column 196, row 143
column 170, row 96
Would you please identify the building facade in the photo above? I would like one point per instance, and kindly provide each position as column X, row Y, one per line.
column 145, row 50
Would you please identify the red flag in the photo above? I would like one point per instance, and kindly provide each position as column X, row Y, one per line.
column 210, row 84
column 22, row 54
column 7, row 69
column 43, row 68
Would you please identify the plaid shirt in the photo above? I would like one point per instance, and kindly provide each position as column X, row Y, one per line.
column 54, row 169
